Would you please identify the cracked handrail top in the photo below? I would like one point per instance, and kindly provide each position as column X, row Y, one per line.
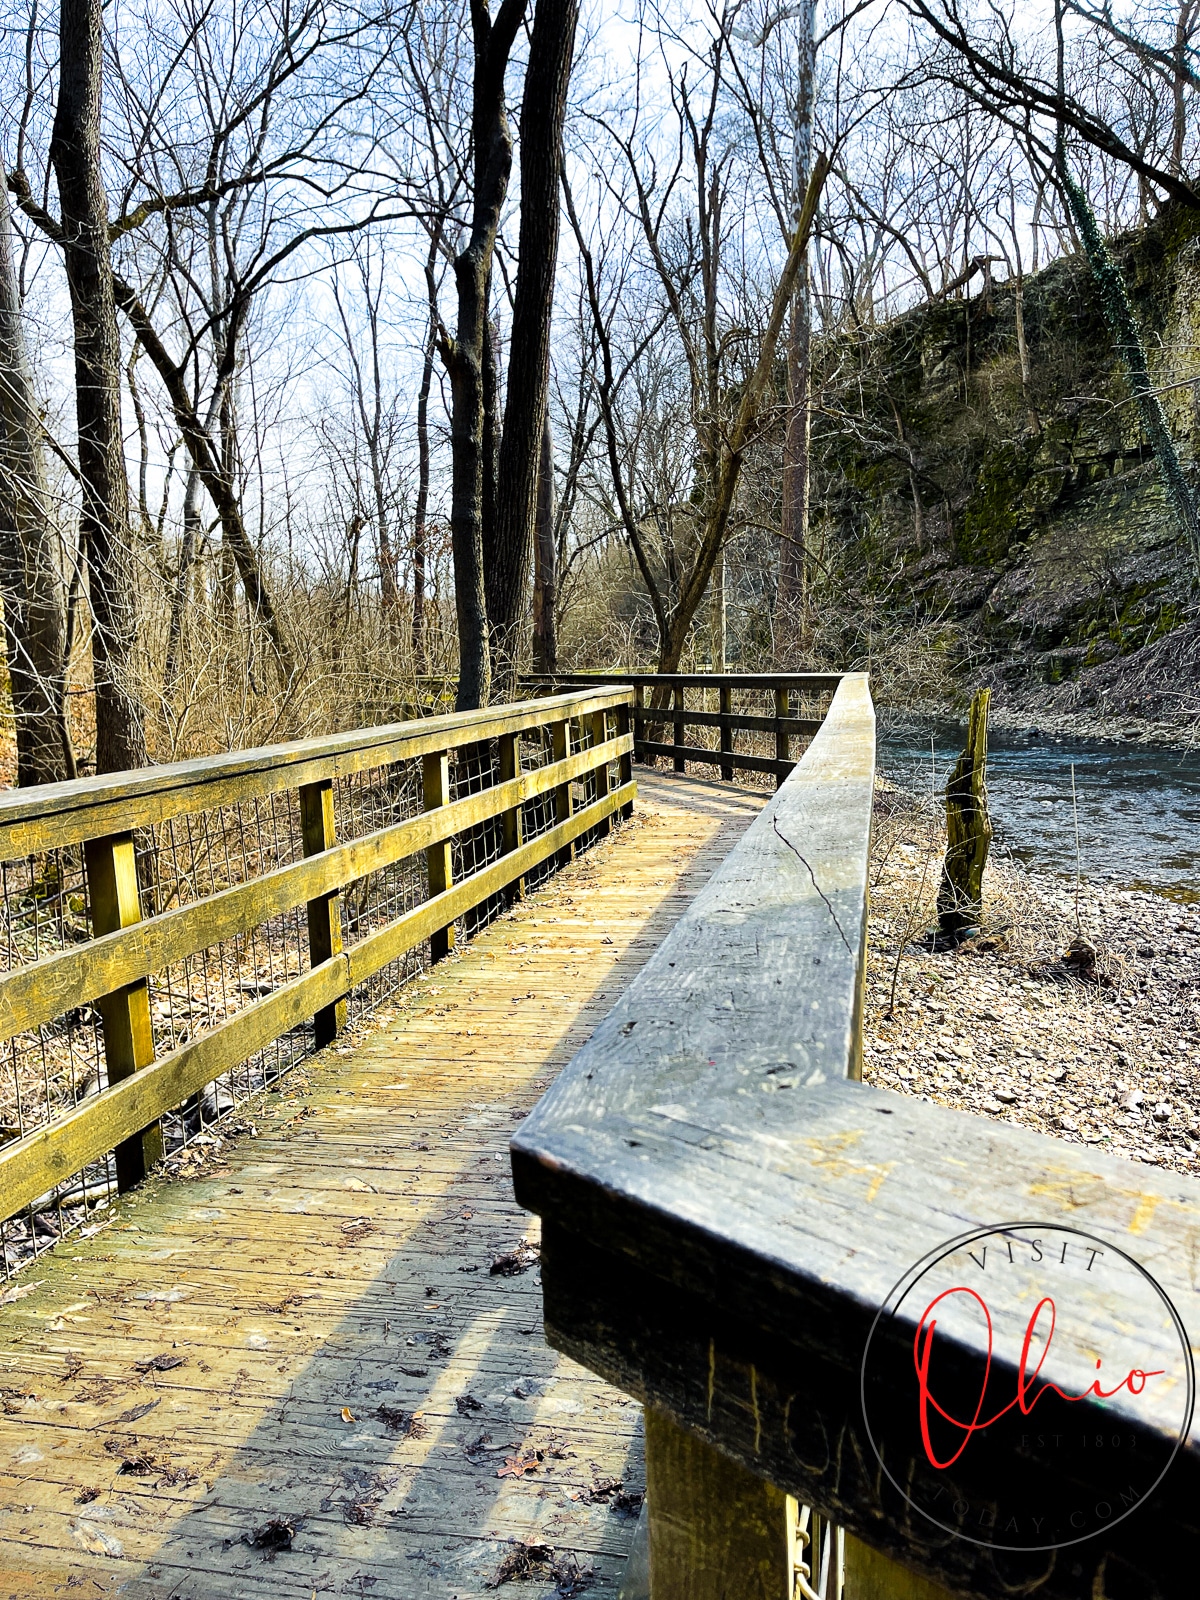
column 753, row 993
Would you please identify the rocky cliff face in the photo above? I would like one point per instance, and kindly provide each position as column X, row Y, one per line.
column 982, row 460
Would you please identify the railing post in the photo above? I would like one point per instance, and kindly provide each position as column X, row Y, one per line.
column 319, row 833
column 599, row 735
column 783, row 743
column 625, row 763
column 439, row 864
column 716, row 1530
column 560, row 749
column 678, row 738
column 726, row 696
column 639, row 722
column 125, row 1014
column 512, row 820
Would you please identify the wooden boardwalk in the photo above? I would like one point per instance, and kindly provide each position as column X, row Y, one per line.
column 306, row 1346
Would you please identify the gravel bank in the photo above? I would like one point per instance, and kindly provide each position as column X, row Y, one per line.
column 1003, row 1027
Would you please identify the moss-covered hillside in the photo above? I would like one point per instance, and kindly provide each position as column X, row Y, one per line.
column 1023, row 510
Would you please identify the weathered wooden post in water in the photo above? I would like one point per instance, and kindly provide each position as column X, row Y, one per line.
column 968, row 827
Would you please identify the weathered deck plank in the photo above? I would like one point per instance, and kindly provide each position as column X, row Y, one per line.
column 283, row 1314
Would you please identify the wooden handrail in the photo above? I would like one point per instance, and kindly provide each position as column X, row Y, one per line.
column 85, row 808
column 117, row 969
column 725, row 1211
column 814, row 682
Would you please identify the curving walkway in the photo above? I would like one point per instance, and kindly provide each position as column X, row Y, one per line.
column 296, row 1374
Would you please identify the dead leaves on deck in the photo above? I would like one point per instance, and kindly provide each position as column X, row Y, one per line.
column 272, row 1537
column 523, row 1561
column 166, row 1362
column 407, row 1424
column 514, row 1262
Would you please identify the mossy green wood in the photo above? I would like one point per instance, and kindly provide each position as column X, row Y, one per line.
column 968, row 827
column 716, row 1530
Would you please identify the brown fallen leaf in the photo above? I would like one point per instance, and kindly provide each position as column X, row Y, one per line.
column 272, row 1537
column 518, row 1466
column 19, row 1291
column 348, row 1415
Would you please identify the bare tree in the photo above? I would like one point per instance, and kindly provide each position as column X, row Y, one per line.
column 30, row 585
column 468, row 353
column 104, row 513
column 543, row 111
column 545, row 587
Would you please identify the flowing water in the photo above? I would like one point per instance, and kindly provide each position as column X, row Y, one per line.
column 1138, row 805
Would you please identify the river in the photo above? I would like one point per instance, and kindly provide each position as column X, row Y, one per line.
column 1138, row 805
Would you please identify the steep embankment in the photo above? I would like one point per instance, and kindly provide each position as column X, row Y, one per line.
column 1009, row 505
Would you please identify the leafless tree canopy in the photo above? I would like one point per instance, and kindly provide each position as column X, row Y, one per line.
column 345, row 347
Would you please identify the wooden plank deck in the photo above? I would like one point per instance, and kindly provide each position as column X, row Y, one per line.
column 310, row 1333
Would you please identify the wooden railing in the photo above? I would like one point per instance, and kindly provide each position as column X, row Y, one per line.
column 747, row 721
column 173, row 937
column 726, row 1213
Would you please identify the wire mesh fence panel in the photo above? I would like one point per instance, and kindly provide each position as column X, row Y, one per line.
column 238, row 856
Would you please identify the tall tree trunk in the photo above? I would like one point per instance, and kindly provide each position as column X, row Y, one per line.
column 791, row 594
column 187, row 555
column 1127, row 337
column 490, row 458
column 104, row 513
column 1023, row 353
column 717, row 617
column 968, row 827
column 464, row 354
column 420, row 532
column 543, row 110
column 545, row 585
column 29, row 574
column 736, row 438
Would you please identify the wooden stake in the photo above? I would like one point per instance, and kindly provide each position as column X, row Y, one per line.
column 599, row 735
column 625, row 764
column 783, row 744
column 564, row 804
column 871, row 1576
column 968, row 827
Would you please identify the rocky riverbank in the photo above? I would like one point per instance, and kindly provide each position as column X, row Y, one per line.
column 1005, row 1027
column 1042, row 715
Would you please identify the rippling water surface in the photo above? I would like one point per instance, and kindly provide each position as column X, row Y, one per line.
column 1139, row 806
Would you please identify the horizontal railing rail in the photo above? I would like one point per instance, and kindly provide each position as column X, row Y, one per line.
column 731, row 1225
column 163, row 928
column 787, row 706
